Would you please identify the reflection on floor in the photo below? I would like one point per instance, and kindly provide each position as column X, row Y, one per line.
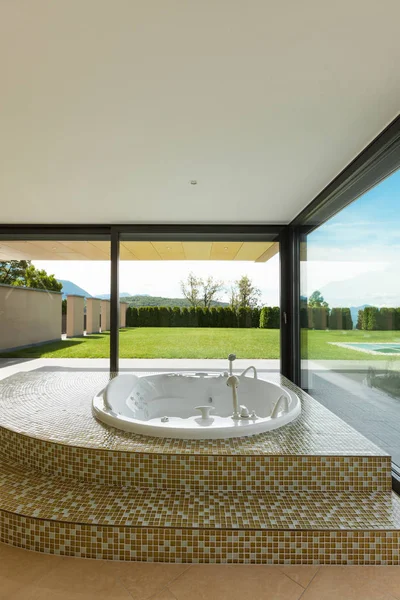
column 27, row 575
column 371, row 412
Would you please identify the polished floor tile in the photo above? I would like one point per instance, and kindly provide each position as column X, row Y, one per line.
column 75, row 579
column 354, row 583
column 143, row 580
column 28, row 575
column 235, row 582
column 20, row 569
column 300, row 574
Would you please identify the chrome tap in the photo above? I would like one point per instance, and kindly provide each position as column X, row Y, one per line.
column 233, row 382
column 231, row 358
column 249, row 369
column 283, row 404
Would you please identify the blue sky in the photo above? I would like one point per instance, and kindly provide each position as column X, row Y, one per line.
column 372, row 219
column 353, row 258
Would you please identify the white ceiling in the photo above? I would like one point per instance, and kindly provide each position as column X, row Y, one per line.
column 108, row 108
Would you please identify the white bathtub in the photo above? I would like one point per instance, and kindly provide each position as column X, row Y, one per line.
column 165, row 405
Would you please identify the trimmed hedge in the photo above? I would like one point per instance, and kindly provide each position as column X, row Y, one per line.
column 340, row 318
column 161, row 316
column 372, row 318
column 270, row 317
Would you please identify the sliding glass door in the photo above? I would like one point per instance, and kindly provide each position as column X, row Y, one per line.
column 350, row 314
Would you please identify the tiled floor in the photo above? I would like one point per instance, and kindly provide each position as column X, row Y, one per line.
column 29, row 576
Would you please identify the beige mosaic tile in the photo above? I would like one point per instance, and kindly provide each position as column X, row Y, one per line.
column 35, row 494
column 201, row 546
column 36, row 408
column 212, row 472
column 56, row 406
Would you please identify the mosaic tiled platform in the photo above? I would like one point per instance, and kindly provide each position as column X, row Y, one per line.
column 56, row 407
column 47, row 424
column 314, row 491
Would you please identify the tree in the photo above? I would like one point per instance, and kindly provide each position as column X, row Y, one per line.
column 39, row 279
column 234, row 298
column 201, row 292
column 247, row 295
column 191, row 289
column 316, row 300
column 13, row 270
column 210, row 288
column 23, row 273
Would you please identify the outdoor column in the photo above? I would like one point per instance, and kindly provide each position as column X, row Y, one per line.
column 75, row 306
column 105, row 315
column 123, row 307
column 93, row 315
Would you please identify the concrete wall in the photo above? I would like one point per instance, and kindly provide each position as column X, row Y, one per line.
column 93, row 308
column 105, row 315
column 75, row 306
column 28, row 316
column 123, row 307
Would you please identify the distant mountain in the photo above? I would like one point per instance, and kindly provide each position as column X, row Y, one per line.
column 72, row 288
column 107, row 296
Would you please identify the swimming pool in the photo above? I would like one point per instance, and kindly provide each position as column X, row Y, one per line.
column 388, row 348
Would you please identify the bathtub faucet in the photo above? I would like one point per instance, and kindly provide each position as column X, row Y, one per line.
column 231, row 358
column 249, row 369
column 233, row 382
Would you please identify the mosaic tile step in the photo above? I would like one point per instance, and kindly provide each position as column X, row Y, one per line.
column 201, row 545
column 200, row 472
column 33, row 494
column 53, row 515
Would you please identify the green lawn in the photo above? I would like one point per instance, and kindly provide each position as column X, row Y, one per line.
column 207, row 343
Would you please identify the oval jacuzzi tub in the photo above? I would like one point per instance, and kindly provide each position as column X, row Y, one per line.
column 194, row 406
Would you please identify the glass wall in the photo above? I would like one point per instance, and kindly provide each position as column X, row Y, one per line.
column 190, row 304
column 350, row 314
column 54, row 302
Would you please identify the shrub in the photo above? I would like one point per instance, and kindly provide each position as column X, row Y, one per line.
column 318, row 317
column 206, row 317
column 264, row 317
column 387, row 319
column 270, row 317
column 132, row 316
column 371, row 320
column 340, row 318
column 185, row 317
column 230, row 318
column 347, row 319
column 176, row 317
column 193, row 317
column 214, row 317
column 241, row 317
column 255, row 317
